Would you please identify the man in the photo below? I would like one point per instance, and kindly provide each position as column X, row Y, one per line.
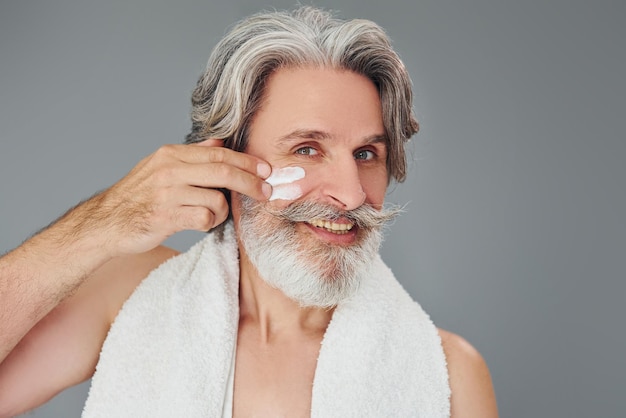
column 236, row 326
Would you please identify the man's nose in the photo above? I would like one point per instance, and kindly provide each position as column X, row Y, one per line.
column 341, row 185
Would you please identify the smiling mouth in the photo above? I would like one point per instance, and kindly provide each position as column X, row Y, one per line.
column 334, row 227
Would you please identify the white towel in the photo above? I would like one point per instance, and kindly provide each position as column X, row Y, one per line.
column 169, row 351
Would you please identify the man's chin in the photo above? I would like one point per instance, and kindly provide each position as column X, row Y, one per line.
column 321, row 279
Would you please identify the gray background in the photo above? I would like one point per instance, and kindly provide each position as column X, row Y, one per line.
column 515, row 235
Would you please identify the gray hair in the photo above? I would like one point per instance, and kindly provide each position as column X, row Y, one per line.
column 230, row 91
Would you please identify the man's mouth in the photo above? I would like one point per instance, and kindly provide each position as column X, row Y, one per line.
column 334, row 227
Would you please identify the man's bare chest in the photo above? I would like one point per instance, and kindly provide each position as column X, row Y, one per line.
column 274, row 379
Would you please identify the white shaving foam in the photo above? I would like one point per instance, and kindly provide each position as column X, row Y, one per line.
column 281, row 181
column 286, row 192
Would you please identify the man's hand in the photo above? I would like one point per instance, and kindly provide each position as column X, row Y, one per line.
column 175, row 188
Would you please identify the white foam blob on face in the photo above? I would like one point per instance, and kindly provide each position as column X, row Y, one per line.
column 282, row 180
column 286, row 192
column 285, row 175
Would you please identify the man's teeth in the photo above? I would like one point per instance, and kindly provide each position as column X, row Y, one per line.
column 334, row 227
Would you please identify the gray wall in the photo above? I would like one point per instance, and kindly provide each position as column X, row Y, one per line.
column 515, row 234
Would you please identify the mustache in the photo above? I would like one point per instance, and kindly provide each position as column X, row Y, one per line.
column 365, row 216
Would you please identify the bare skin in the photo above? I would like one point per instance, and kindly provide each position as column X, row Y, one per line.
column 68, row 311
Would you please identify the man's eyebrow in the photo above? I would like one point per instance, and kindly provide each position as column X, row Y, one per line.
column 304, row 134
column 376, row 139
column 321, row 135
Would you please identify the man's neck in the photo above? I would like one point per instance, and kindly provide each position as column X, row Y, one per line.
column 273, row 313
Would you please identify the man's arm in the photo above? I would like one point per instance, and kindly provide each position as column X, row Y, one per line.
column 171, row 190
column 62, row 349
column 38, row 275
column 472, row 391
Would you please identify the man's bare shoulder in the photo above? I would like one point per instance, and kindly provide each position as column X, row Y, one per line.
column 470, row 380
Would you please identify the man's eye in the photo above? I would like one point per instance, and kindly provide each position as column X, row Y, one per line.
column 364, row 155
column 306, row 151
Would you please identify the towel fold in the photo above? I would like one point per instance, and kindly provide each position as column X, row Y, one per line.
column 169, row 351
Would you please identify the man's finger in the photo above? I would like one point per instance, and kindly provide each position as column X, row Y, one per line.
column 207, row 154
column 212, row 199
column 196, row 218
column 225, row 176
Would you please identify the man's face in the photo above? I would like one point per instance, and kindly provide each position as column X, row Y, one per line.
column 329, row 123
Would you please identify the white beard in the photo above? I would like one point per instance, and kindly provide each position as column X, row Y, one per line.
column 306, row 269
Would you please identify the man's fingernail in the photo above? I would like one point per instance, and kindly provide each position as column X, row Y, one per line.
column 263, row 170
column 267, row 190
